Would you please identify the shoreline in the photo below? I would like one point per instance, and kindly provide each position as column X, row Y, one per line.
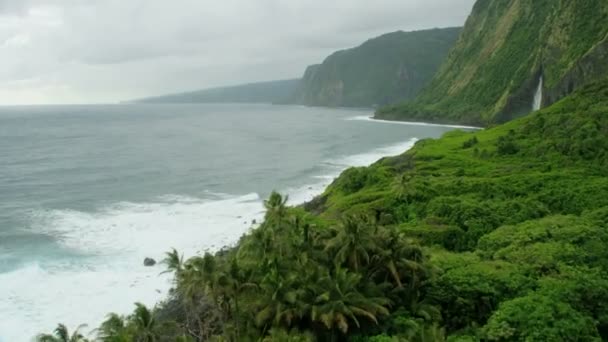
column 412, row 123
column 147, row 282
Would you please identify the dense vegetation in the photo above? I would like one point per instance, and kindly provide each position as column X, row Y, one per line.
column 495, row 235
column 491, row 74
column 491, row 235
column 261, row 92
column 383, row 70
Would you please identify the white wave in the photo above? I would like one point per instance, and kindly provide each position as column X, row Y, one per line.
column 368, row 158
column 119, row 237
column 408, row 123
column 308, row 192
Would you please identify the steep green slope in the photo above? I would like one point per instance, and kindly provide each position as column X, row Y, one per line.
column 383, row 70
column 261, row 92
column 492, row 235
column 493, row 72
column 516, row 219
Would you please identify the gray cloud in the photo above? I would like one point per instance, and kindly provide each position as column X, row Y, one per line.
column 58, row 51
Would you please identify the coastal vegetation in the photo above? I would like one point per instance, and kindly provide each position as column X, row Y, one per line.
column 495, row 235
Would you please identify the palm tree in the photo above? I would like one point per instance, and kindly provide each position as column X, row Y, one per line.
column 174, row 263
column 230, row 285
column 280, row 302
column 339, row 304
column 276, row 208
column 197, row 278
column 353, row 242
column 61, row 334
column 431, row 333
column 256, row 245
column 113, row 329
column 144, row 324
column 398, row 259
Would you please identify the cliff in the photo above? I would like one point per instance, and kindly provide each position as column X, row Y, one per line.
column 506, row 47
column 383, row 70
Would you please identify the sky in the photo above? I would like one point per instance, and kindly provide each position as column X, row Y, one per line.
column 106, row 51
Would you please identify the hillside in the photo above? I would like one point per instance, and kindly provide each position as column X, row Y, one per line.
column 383, row 70
column 506, row 47
column 494, row 235
column 261, row 92
column 515, row 218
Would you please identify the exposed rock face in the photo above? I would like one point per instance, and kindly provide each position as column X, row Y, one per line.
column 148, row 262
column 506, row 46
column 387, row 69
column 592, row 67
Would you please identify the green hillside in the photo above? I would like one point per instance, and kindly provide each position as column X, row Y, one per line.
column 494, row 235
column 260, row 92
column 383, row 70
column 492, row 73
column 497, row 234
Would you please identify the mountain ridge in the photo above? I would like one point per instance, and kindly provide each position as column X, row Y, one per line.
column 255, row 92
column 492, row 72
column 381, row 70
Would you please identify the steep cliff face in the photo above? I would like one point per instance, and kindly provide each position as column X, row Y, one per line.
column 506, row 46
column 383, row 70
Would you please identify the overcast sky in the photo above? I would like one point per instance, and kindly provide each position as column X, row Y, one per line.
column 92, row 51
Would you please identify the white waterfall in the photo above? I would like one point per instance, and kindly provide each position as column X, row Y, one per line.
column 538, row 96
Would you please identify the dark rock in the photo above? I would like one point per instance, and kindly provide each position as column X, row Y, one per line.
column 149, row 262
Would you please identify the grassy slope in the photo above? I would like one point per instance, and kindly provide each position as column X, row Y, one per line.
column 491, row 74
column 513, row 221
column 383, row 70
column 548, row 163
column 511, row 216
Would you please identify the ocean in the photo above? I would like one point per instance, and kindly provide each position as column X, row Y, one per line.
column 88, row 192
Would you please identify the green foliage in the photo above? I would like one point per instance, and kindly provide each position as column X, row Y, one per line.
column 440, row 243
column 470, row 143
column 492, row 72
column 547, row 243
column 62, row 334
column 539, row 318
column 532, row 211
column 469, row 293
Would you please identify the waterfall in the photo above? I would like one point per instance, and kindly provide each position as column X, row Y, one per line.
column 538, row 96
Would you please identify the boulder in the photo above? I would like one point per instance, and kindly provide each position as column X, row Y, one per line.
column 149, row 262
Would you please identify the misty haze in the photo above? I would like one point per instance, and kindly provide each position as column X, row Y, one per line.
column 402, row 170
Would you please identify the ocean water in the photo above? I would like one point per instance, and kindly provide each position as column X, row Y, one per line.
column 87, row 192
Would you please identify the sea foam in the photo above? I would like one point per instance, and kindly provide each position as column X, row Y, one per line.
column 114, row 240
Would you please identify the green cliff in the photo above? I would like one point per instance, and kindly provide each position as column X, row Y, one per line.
column 383, row 70
column 493, row 72
column 492, row 235
column 498, row 234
